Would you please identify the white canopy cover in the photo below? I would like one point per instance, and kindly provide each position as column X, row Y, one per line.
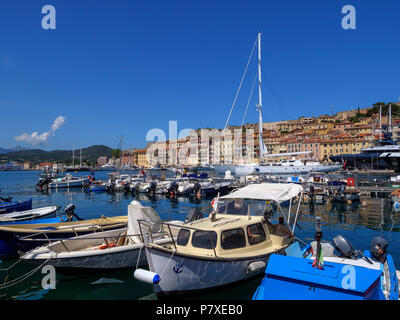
column 279, row 192
column 137, row 211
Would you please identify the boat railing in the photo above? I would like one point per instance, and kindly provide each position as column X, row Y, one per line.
column 62, row 240
column 149, row 238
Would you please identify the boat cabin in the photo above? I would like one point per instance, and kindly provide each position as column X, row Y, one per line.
column 239, row 226
column 229, row 236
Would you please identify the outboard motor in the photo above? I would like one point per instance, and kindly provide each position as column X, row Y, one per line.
column 8, row 199
column 193, row 215
column 378, row 248
column 343, row 246
column 196, row 187
column 127, row 188
column 152, row 187
column 69, row 212
column 111, row 186
column 173, row 187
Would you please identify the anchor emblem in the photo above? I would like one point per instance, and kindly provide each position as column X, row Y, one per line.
column 178, row 268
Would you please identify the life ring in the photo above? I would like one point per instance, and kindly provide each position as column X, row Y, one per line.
column 105, row 246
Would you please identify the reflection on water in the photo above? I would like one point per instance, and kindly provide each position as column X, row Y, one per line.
column 358, row 222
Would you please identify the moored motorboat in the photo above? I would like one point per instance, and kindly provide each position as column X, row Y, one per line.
column 232, row 244
column 113, row 249
column 318, row 273
column 12, row 236
column 28, row 214
column 68, row 182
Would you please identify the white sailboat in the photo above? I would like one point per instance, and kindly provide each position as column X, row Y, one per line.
column 283, row 167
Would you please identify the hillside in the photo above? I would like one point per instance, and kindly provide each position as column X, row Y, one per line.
column 38, row 155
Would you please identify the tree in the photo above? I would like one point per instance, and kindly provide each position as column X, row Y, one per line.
column 116, row 153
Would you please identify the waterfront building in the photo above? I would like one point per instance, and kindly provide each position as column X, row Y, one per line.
column 140, row 158
column 102, row 161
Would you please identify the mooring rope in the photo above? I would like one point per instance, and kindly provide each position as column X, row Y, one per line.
column 26, row 275
column 167, row 263
column 140, row 251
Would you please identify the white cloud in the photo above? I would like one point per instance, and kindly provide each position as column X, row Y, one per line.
column 60, row 120
column 36, row 138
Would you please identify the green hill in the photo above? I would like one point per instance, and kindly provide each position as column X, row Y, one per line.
column 37, row 155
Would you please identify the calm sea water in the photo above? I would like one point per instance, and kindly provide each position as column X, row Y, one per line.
column 356, row 223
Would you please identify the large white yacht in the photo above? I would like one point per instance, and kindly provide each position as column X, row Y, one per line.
column 283, row 167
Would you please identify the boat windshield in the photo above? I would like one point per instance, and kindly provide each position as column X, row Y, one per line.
column 242, row 207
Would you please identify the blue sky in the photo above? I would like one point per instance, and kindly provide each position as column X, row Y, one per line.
column 123, row 67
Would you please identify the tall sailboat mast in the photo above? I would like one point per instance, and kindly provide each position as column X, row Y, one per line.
column 380, row 122
column 261, row 143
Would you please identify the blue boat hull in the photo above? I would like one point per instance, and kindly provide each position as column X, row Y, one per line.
column 295, row 278
column 13, row 206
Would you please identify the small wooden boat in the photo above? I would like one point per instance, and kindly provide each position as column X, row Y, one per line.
column 28, row 214
column 347, row 275
column 114, row 249
column 11, row 206
column 232, row 244
column 12, row 236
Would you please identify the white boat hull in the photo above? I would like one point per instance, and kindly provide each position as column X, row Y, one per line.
column 68, row 184
column 28, row 214
column 182, row 274
column 99, row 259
column 243, row 170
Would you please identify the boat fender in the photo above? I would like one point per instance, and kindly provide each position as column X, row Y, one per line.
column 146, row 276
column 256, row 266
column 396, row 206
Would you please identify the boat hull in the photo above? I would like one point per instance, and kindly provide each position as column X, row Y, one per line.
column 68, row 184
column 28, row 214
column 13, row 206
column 244, row 170
column 107, row 259
column 11, row 244
column 183, row 274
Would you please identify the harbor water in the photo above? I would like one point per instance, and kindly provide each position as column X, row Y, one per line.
column 359, row 224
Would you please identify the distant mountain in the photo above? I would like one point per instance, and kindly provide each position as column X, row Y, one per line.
column 17, row 148
column 38, row 155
